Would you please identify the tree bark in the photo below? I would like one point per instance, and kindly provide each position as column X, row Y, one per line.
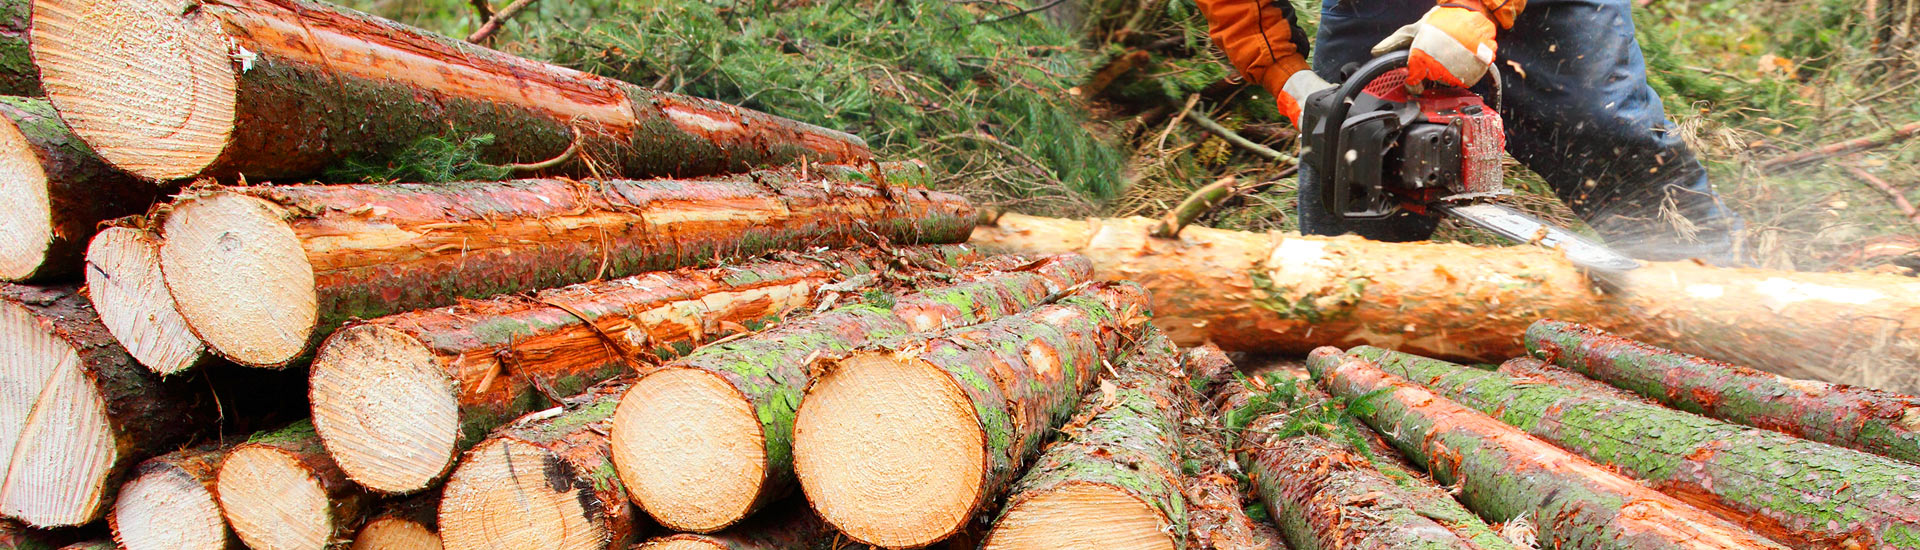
column 708, row 439
column 281, row 490
column 410, row 523
column 17, row 536
column 792, row 527
column 1122, row 451
column 85, row 414
column 544, row 481
column 18, row 75
column 1808, row 494
column 966, row 407
column 280, row 89
column 169, row 504
column 1878, row 422
column 261, row 272
column 125, row 286
column 448, row 375
column 1215, row 518
column 1529, row 370
column 1287, row 294
column 56, row 190
column 1503, row 473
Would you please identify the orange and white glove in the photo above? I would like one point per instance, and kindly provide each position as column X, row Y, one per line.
column 1453, row 44
column 1262, row 39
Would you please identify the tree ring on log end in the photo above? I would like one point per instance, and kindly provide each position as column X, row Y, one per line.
column 889, row 450
column 55, row 440
column 240, row 278
column 166, row 508
column 391, row 533
column 510, row 494
column 26, row 211
column 689, row 447
column 1081, row 515
column 124, row 284
column 151, row 86
column 682, row 542
column 385, row 409
column 272, row 500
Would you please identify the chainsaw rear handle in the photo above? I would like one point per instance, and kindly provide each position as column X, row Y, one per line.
column 1323, row 115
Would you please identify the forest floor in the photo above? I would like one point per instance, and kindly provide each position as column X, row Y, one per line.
column 1084, row 107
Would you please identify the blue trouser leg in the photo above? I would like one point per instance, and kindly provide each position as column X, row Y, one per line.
column 1583, row 117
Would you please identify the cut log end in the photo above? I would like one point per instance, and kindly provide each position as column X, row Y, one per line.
column 123, row 281
column 1081, row 515
column 148, row 84
column 55, row 439
column 168, row 509
column 889, row 450
column 26, row 211
column 682, row 542
column 387, row 412
column 272, row 500
column 690, row 449
column 391, row 533
column 221, row 242
column 509, row 494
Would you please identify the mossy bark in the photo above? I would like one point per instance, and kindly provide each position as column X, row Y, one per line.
column 347, row 502
column 1124, row 437
column 1215, row 518
column 790, row 527
column 1007, row 291
column 1505, row 474
column 1875, row 421
column 145, row 415
column 1809, row 494
column 420, row 246
column 18, row 76
column 82, row 190
column 578, row 464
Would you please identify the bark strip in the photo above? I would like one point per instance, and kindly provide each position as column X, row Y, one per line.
column 56, row 191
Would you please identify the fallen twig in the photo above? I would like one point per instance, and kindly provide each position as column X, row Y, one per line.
column 499, row 18
column 1200, row 119
column 1899, row 199
column 1835, row 149
column 572, row 149
column 1203, row 200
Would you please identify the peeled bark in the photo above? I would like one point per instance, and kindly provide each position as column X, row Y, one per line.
column 1808, row 494
column 1287, row 293
column 410, row 523
column 447, row 375
column 1528, row 370
column 708, row 439
column 170, row 505
column 1112, row 478
column 125, row 286
column 54, row 190
column 544, row 481
column 280, row 89
column 79, row 412
column 900, row 444
column 260, row 273
column 1875, row 421
column 1505, row 474
column 793, row 527
column 1215, row 518
column 281, row 490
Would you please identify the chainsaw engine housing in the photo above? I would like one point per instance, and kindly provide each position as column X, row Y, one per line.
column 1390, row 150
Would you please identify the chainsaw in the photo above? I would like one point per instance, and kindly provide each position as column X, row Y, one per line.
column 1383, row 149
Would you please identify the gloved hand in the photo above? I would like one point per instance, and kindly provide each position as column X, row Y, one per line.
column 1292, row 96
column 1452, row 45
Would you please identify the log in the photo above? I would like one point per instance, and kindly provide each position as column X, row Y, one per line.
column 410, row 523
column 544, row 481
column 281, row 89
column 1866, row 419
column 1505, row 474
column 124, row 285
column 1112, row 478
column 1803, row 493
column 708, row 439
column 80, row 412
column 18, row 75
column 447, row 375
column 1284, row 293
column 281, row 490
column 1215, row 518
column 260, row 273
column 898, row 445
column 169, row 504
column 99, row 544
column 1534, row 371
column 17, row 536
column 789, row 527
column 53, row 189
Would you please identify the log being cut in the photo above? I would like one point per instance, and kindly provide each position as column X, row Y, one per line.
column 280, row 89
column 1505, row 474
column 79, row 411
column 1113, row 478
column 53, row 189
column 1287, row 293
column 280, row 490
column 125, row 286
column 707, row 440
column 448, row 375
column 169, row 504
column 900, row 444
column 259, row 273
column 1808, row 494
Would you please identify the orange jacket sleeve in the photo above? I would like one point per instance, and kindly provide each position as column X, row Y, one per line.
column 1501, row 12
column 1259, row 38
